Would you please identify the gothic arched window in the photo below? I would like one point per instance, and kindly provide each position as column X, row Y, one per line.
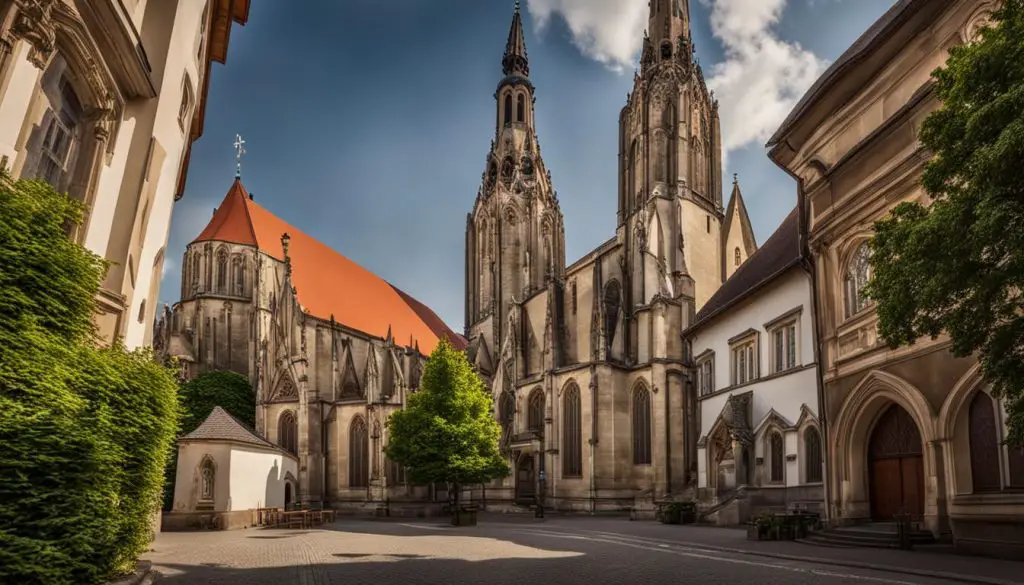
column 239, row 267
column 222, row 271
column 736, row 255
column 521, row 109
column 506, row 411
column 984, row 444
column 812, row 455
column 358, row 454
column 641, row 426
column 858, row 271
column 508, row 109
column 287, row 432
column 612, row 304
column 195, row 271
column 572, row 433
column 535, row 412
column 778, row 458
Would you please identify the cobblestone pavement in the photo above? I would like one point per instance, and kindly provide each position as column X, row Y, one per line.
column 564, row 551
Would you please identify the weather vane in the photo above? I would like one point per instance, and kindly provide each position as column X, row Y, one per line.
column 239, row 151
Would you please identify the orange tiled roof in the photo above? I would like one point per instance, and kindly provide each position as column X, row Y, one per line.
column 327, row 282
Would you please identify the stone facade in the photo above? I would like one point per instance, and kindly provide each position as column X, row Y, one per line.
column 103, row 99
column 911, row 429
column 586, row 362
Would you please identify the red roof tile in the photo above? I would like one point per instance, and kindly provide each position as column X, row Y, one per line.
column 327, row 282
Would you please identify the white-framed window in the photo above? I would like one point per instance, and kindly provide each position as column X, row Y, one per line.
column 744, row 359
column 706, row 375
column 784, row 346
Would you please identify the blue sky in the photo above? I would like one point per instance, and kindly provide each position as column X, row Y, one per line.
column 367, row 123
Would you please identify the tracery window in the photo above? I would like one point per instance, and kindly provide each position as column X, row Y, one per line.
column 222, row 271
column 287, row 432
column 777, row 457
column 239, row 276
column 812, row 455
column 535, row 411
column 572, row 433
column 641, row 426
column 858, row 272
column 358, row 454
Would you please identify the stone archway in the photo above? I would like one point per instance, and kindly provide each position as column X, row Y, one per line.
column 850, row 451
column 896, row 466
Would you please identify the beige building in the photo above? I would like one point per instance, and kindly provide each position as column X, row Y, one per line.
column 103, row 99
column 912, row 429
column 586, row 361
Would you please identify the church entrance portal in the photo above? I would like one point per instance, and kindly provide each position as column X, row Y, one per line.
column 287, row 494
column 896, row 464
column 526, row 483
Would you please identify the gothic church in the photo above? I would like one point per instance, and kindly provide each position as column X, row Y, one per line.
column 587, row 361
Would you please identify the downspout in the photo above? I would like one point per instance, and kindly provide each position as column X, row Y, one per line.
column 808, row 264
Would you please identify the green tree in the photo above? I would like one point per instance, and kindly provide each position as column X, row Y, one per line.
column 228, row 390
column 447, row 432
column 957, row 266
column 84, row 431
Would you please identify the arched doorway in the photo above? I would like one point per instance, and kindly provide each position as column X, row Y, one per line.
column 526, row 484
column 896, row 466
column 287, row 494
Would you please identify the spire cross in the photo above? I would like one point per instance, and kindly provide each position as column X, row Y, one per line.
column 517, row 5
column 735, row 178
column 239, row 151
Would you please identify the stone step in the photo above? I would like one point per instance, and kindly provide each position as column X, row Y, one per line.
column 859, row 537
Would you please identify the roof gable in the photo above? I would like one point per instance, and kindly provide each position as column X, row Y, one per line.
column 327, row 283
column 779, row 253
column 221, row 426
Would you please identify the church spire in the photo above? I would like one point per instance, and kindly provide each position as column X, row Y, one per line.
column 668, row 27
column 515, row 61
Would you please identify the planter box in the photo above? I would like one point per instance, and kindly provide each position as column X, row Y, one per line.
column 464, row 518
column 755, row 532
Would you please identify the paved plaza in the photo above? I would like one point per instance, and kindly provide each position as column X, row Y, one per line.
column 558, row 551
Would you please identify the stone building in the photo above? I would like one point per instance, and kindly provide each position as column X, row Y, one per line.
column 912, row 429
column 103, row 100
column 760, row 446
column 586, row 361
column 330, row 349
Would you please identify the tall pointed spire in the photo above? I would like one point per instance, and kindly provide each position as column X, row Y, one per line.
column 515, row 61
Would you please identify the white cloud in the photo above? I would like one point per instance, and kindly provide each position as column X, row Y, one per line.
column 608, row 31
column 762, row 76
column 758, row 83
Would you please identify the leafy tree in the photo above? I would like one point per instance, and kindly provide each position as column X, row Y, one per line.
column 957, row 266
column 447, row 432
column 228, row 390
column 84, row 432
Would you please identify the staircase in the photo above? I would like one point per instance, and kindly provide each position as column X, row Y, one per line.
column 875, row 535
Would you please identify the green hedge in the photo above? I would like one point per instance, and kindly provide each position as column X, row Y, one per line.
column 85, row 432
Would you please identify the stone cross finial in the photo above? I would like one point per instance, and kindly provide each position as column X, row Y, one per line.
column 239, row 151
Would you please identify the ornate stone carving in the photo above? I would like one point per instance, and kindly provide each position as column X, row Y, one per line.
column 35, row 25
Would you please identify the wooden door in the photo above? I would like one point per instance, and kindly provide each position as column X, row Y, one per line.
column 526, row 486
column 896, row 466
